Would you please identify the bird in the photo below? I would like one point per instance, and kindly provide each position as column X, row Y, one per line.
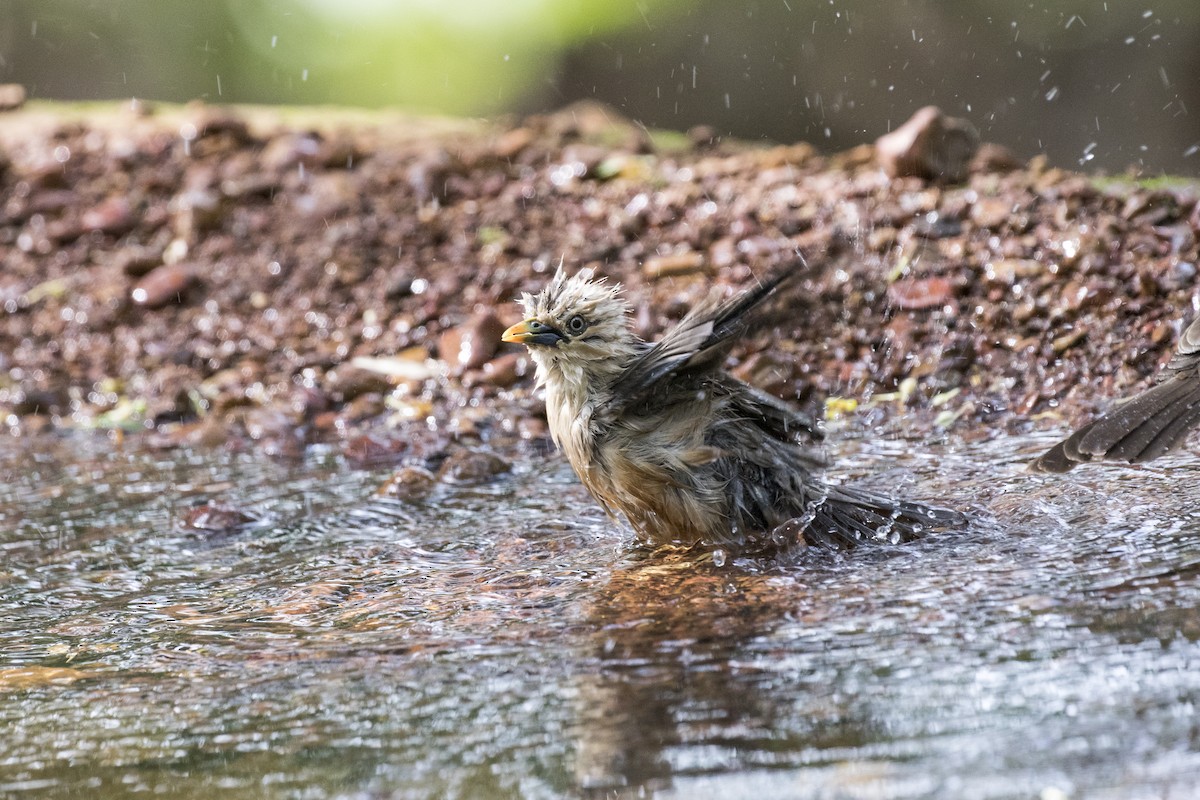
column 1142, row 427
column 689, row 454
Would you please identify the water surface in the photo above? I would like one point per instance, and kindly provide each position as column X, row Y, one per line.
column 505, row 640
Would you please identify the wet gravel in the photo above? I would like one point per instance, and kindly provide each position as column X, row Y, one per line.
column 267, row 279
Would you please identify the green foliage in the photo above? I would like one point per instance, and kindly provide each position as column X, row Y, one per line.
column 461, row 56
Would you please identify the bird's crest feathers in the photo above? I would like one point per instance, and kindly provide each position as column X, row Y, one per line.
column 581, row 293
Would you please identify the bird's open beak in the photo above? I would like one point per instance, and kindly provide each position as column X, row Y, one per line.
column 531, row 331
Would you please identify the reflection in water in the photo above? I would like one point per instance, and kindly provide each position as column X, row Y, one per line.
column 667, row 634
column 497, row 642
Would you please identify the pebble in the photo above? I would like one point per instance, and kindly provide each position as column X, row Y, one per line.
column 673, row 265
column 472, row 466
column 918, row 294
column 410, row 483
column 929, row 145
column 1069, row 340
column 163, row 286
column 213, row 518
column 991, row 212
column 505, row 370
column 12, row 96
column 472, row 344
column 512, row 142
column 994, row 158
column 113, row 216
column 1009, row 270
column 197, row 211
column 348, row 382
column 371, row 449
column 137, row 261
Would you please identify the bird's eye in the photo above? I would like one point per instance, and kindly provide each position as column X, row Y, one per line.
column 576, row 324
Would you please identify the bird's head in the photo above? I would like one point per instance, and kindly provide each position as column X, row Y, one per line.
column 579, row 322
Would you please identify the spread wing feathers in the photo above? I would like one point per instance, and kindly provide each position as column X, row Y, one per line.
column 850, row 517
column 1187, row 354
column 695, row 347
column 1144, row 427
column 837, row 516
column 770, row 416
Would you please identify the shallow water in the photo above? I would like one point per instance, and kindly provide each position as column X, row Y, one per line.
column 505, row 640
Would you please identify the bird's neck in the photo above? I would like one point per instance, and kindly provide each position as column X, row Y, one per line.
column 574, row 389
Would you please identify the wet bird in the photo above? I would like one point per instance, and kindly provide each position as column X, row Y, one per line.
column 1146, row 425
column 689, row 454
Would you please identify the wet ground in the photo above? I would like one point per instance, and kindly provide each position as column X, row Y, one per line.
column 504, row 640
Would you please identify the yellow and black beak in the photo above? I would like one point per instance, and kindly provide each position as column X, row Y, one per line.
column 531, row 332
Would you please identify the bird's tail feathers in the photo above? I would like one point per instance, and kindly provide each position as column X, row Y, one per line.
column 851, row 517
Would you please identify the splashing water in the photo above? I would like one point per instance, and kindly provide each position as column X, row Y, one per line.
column 499, row 641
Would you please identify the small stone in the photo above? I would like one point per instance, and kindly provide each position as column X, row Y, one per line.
column 197, row 211
column 880, row 240
column 213, row 518
column 113, row 216
column 472, row 344
column 994, row 158
column 1150, row 208
column 137, row 261
column 288, row 150
column 703, row 135
column 428, row 176
column 409, row 483
column 991, row 212
column 582, row 159
column 367, row 450
column 1161, row 331
column 365, row 406
column 672, row 265
column 930, row 145
column 472, row 466
column 347, row 382
column 505, row 370
column 918, row 294
column 163, row 286
column 513, row 142
column 51, row 201
column 256, row 184
column 12, row 96
column 1069, row 340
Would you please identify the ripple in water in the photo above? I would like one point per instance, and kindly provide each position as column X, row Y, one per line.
column 507, row 640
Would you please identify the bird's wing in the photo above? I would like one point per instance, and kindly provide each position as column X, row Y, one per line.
column 694, row 348
column 771, row 415
column 1145, row 426
column 1187, row 353
column 1140, row 429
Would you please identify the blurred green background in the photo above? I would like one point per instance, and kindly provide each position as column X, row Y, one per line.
column 1099, row 84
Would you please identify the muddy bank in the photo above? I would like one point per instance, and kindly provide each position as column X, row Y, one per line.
column 270, row 279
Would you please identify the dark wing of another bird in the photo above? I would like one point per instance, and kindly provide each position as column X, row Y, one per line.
column 1187, row 354
column 1144, row 427
column 693, row 350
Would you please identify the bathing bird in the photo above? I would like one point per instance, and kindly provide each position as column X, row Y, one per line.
column 690, row 455
column 1144, row 426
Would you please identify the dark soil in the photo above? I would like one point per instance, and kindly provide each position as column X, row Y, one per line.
column 212, row 275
